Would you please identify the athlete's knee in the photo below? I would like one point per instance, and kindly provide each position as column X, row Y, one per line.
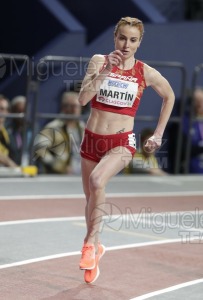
column 95, row 181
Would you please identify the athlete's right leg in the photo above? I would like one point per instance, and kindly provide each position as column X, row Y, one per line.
column 87, row 166
column 89, row 250
column 98, row 175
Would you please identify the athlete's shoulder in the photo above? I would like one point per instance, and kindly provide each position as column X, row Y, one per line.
column 98, row 58
column 139, row 65
column 151, row 74
column 97, row 62
column 138, row 61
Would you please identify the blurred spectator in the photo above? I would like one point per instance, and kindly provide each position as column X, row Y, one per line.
column 59, row 141
column 144, row 162
column 5, row 160
column 16, row 130
column 196, row 157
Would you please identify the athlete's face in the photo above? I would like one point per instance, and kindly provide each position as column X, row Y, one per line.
column 127, row 40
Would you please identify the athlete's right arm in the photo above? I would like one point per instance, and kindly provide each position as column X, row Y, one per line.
column 95, row 75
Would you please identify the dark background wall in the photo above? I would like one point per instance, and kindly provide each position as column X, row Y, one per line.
column 28, row 27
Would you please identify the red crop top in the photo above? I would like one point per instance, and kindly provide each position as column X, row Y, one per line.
column 121, row 90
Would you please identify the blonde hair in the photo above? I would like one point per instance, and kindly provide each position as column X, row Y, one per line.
column 132, row 22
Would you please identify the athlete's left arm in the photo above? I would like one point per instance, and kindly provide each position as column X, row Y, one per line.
column 160, row 84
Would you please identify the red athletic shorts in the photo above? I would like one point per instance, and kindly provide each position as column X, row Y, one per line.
column 95, row 146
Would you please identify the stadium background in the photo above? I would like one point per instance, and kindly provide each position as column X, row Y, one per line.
column 74, row 28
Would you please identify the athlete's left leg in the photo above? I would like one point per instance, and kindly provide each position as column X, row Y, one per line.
column 111, row 164
column 99, row 174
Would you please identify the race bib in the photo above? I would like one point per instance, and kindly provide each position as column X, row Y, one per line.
column 117, row 92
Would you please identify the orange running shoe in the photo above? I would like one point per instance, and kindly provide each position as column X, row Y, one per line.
column 91, row 276
column 87, row 261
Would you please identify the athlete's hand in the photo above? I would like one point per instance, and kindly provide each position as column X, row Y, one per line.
column 114, row 59
column 153, row 143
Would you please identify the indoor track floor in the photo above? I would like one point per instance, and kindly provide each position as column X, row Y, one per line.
column 152, row 231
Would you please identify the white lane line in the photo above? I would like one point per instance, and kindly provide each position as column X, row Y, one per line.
column 169, row 289
column 119, row 178
column 40, row 179
column 145, row 244
column 43, row 197
column 34, row 260
column 146, row 221
column 171, row 226
column 108, row 195
column 166, row 179
column 113, row 248
column 43, row 220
